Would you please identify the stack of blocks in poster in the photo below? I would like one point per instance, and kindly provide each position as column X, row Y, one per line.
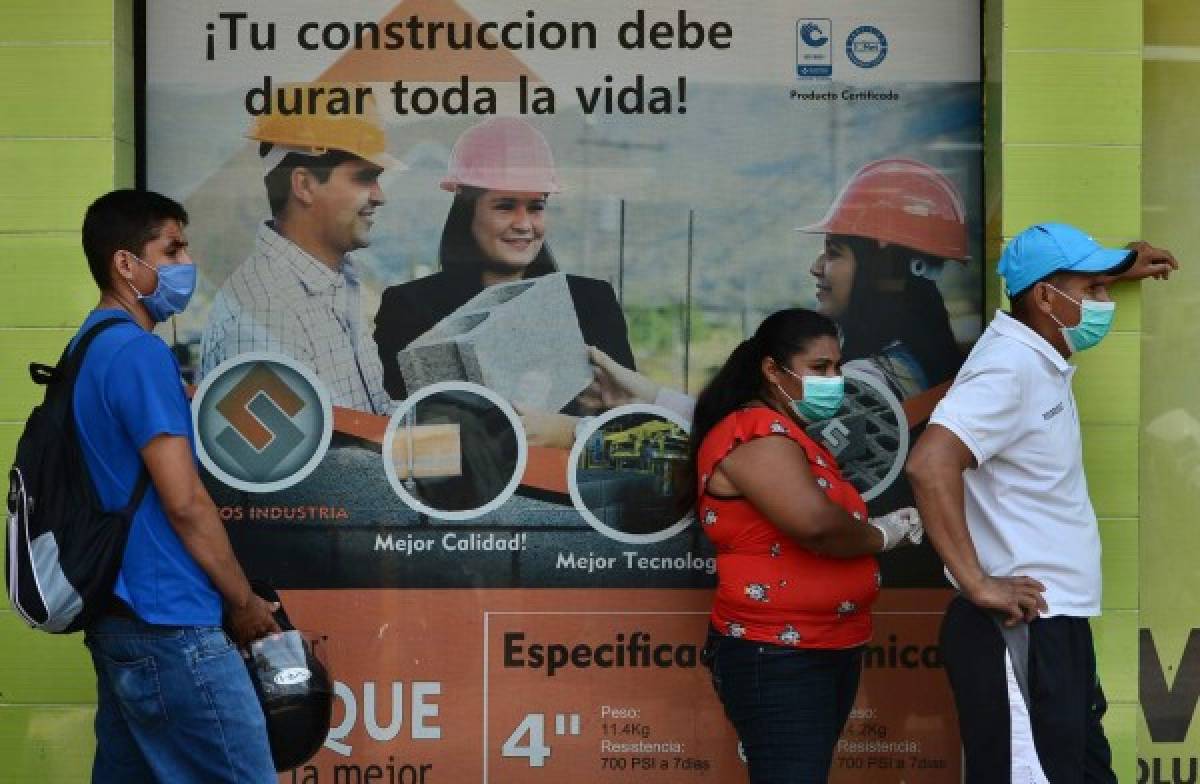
column 519, row 339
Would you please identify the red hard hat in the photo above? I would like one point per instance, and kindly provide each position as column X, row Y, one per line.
column 502, row 154
column 900, row 202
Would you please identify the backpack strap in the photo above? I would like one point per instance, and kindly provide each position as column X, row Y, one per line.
column 67, row 370
column 72, row 357
column 139, row 492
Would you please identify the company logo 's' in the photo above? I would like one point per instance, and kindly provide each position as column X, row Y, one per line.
column 814, row 50
column 262, row 422
column 260, row 409
column 866, row 46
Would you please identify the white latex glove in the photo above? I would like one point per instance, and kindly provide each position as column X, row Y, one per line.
column 902, row 526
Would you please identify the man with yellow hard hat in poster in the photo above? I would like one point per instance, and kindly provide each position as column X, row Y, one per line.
column 298, row 292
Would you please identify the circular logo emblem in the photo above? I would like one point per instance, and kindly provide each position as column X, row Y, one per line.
column 290, row 676
column 869, row 435
column 621, row 473
column 455, row 450
column 263, row 422
column 866, row 46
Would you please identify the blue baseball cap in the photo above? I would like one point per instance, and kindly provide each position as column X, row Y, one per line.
column 1047, row 248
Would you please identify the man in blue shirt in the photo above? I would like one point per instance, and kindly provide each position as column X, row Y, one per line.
column 175, row 703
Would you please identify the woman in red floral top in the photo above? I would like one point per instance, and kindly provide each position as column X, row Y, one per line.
column 795, row 549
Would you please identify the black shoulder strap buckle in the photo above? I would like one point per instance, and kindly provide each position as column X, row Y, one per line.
column 42, row 374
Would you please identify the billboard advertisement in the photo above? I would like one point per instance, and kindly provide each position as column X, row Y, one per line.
column 442, row 394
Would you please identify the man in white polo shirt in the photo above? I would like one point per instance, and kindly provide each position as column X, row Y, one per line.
column 999, row 481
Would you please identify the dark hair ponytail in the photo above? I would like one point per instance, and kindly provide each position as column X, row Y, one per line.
column 740, row 381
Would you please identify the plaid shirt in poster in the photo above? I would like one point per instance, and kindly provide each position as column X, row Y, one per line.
column 282, row 299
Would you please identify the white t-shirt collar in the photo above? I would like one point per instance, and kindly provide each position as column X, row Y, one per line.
column 1008, row 326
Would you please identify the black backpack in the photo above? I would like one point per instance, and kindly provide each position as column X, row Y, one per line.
column 64, row 549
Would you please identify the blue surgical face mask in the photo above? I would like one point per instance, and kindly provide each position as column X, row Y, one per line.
column 823, row 396
column 1095, row 320
column 176, row 284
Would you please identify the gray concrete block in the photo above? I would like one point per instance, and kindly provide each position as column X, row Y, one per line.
column 520, row 339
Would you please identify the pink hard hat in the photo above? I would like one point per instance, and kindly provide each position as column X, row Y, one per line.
column 502, row 154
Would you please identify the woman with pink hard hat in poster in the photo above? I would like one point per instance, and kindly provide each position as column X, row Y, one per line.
column 501, row 173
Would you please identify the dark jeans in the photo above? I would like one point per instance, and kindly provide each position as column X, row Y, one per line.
column 788, row 705
column 175, row 705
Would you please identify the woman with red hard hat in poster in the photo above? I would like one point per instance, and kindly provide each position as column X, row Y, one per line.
column 888, row 235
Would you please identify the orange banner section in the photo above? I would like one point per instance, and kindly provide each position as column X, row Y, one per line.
column 369, row 427
column 546, row 469
column 588, row 686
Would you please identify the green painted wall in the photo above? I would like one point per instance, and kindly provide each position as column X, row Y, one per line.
column 66, row 136
column 1063, row 98
column 1170, row 446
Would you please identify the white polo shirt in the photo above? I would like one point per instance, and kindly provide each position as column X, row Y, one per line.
column 1027, row 502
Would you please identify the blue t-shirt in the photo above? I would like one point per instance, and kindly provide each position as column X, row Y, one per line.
column 130, row 390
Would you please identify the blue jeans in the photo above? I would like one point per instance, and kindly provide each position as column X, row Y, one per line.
column 175, row 704
column 788, row 705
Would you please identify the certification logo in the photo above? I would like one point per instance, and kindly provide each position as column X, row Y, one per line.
column 263, row 422
column 814, row 49
column 866, row 46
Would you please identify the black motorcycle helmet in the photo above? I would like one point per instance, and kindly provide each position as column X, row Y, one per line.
column 293, row 687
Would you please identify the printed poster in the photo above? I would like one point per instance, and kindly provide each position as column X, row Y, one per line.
column 421, row 443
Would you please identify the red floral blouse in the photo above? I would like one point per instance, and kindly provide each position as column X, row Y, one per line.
column 770, row 588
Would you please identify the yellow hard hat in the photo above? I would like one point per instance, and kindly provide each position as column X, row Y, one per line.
column 316, row 130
